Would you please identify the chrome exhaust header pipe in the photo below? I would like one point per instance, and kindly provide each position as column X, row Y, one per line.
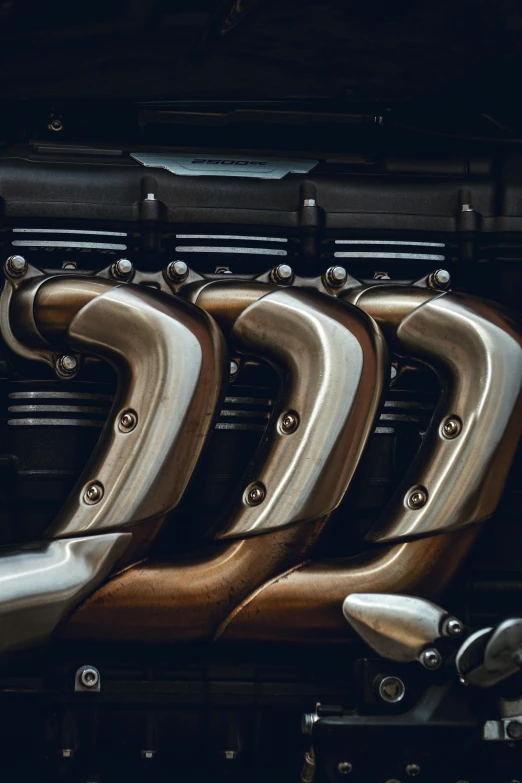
column 170, row 359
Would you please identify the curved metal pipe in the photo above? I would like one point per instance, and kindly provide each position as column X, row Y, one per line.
column 333, row 360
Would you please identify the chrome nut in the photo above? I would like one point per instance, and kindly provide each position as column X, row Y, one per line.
column 177, row 271
column 336, row 276
column 128, row 421
column 123, row 269
column 16, row 266
column 67, row 366
column 417, row 498
column 289, row 422
column 451, row 428
column 93, row 493
column 255, row 494
column 283, row 274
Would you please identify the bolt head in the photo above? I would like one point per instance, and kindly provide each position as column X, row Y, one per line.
column 431, row 659
column 148, row 754
column 309, row 202
column 441, row 278
column 336, row 276
column 453, row 627
column 255, row 494
column 230, row 755
column 392, row 689
column 514, row 729
column 90, row 677
column 412, row 770
column 93, row 494
column 451, row 428
column 177, row 271
column 417, row 498
column 67, row 753
column 283, row 274
column 56, row 125
column 67, row 365
column 16, row 266
column 344, row 767
column 128, row 421
column 234, row 368
column 289, row 422
column 123, row 269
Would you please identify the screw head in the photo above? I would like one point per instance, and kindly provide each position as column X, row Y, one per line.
column 148, row 754
column 255, row 494
column 234, row 368
column 392, row 689
column 128, row 421
column 177, row 271
column 56, row 125
column 123, row 269
column 283, row 274
column 336, row 276
column 440, row 279
column 417, row 498
column 344, row 768
column 67, row 365
column 16, row 266
column 453, row 627
column 413, row 770
column 431, row 659
column 514, row 729
column 289, row 422
column 90, row 677
column 451, row 428
column 93, row 493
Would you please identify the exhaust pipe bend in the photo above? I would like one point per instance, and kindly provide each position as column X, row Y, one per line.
column 170, row 361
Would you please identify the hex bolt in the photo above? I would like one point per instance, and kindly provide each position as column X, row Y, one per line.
column 67, row 365
column 514, row 729
column 344, row 768
column 148, row 754
column 336, row 276
column 90, row 677
column 453, row 627
column 93, row 493
column 128, row 421
column 283, row 274
column 289, row 422
column 412, row 770
column 451, row 428
column 440, row 279
column 177, row 271
column 417, row 498
column 16, row 266
column 122, row 269
column 234, row 369
column 431, row 659
column 392, row 689
column 67, row 753
column 230, row 755
column 255, row 494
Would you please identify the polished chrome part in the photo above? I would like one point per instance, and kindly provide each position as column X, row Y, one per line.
column 16, row 266
column 336, row 276
column 430, row 659
column 87, row 678
column 282, row 274
column 476, row 348
column 490, row 656
column 67, row 366
column 195, row 165
column 169, row 357
column 128, row 421
column 177, row 271
column 234, row 369
column 333, row 359
column 452, row 627
column 440, row 280
column 397, row 627
column 417, row 498
column 255, row 494
column 123, row 269
column 41, row 583
column 391, row 689
column 344, row 767
column 289, row 422
column 451, row 428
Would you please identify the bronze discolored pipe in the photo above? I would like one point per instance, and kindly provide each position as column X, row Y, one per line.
column 305, row 603
column 188, row 599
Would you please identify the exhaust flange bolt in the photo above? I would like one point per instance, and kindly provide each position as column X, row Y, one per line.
column 16, row 266
column 128, row 421
column 177, row 271
column 336, row 276
column 255, row 494
column 440, row 280
column 283, row 274
column 93, row 494
column 417, row 499
column 451, row 428
column 67, row 366
column 431, row 659
column 123, row 269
